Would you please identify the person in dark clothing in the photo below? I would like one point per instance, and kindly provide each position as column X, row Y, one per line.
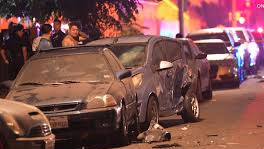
column 58, row 35
column 45, row 42
column 15, row 51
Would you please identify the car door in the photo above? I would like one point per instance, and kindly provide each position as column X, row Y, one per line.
column 130, row 97
column 175, row 75
column 203, row 66
column 161, row 79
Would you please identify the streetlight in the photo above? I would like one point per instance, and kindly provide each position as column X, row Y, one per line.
column 181, row 19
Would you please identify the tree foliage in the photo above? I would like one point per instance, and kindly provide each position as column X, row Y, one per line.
column 94, row 15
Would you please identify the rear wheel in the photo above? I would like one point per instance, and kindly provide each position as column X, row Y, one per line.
column 191, row 111
column 208, row 94
column 199, row 91
column 152, row 112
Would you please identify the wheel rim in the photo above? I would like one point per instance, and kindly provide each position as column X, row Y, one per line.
column 154, row 112
column 195, row 106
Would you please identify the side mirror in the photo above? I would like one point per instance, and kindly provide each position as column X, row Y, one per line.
column 165, row 65
column 236, row 44
column 201, row 56
column 123, row 74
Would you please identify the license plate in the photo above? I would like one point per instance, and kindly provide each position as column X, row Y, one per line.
column 59, row 122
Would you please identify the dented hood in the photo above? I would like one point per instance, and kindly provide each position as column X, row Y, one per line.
column 56, row 94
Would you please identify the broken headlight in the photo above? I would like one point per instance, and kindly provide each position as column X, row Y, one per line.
column 12, row 123
column 101, row 102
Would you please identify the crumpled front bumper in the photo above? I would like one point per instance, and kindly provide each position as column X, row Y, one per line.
column 85, row 123
column 47, row 142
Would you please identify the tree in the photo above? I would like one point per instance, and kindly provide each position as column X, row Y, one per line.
column 94, row 15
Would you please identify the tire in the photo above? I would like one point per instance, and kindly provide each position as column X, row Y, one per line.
column 135, row 128
column 191, row 111
column 152, row 112
column 208, row 94
column 199, row 90
column 123, row 132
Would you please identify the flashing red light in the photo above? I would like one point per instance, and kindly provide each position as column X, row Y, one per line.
column 260, row 30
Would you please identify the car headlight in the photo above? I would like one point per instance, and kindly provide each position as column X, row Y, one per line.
column 101, row 102
column 137, row 80
column 12, row 123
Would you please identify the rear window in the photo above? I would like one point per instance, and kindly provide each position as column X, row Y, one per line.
column 213, row 48
column 222, row 36
column 241, row 35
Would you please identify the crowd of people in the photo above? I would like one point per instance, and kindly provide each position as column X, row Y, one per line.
column 18, row 48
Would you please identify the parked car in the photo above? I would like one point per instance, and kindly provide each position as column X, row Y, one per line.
column 260, row 41
column 200, row 66
column 162, row 78
column 24, row 127
column 249, row 45
column 223, row 64
column 82, row 90
column 233, row 46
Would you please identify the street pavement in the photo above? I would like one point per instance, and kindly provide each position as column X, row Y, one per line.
column 233, row 119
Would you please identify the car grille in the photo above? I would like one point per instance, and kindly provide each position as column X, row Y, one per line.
column 40, row 131
column 57, row 108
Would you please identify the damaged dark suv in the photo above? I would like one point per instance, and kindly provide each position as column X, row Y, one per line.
column 82, row 90
column 163, row 80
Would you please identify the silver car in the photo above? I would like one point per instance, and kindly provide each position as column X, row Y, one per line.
column 24, row 127
column 161, row 75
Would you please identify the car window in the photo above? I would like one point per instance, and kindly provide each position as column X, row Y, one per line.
column 223, row 36
column 157, row 54
column 130, row 55
column 213, row 48
column 172, row 50
column 114, row 64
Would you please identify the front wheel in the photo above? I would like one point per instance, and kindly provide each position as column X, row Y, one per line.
column 191, row 110
column 123, row 131
column 208, row 94
column 152, row 112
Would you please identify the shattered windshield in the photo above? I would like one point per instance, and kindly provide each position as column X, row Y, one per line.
column 130, row 55
column 213, row 48
column 61, row 69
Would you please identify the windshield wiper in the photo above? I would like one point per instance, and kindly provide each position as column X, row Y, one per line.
column 30, row 83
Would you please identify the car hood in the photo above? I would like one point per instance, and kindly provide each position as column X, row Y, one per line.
column 25, row 115
column 56, row 94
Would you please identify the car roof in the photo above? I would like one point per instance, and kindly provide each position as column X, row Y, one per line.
column 69, row 51
column 209, row 41
column 125, row 39
column 207, row 31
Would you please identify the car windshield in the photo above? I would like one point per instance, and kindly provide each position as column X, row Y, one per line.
column 66, row 69
column 213, row 48
column 130, row 56
column 241, row 35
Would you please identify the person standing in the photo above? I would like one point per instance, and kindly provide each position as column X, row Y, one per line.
column 15, row 53
column 58, row 35
column 43, row 42
column 74, row 36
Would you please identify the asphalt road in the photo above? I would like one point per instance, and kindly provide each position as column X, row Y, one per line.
column 233, row 119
